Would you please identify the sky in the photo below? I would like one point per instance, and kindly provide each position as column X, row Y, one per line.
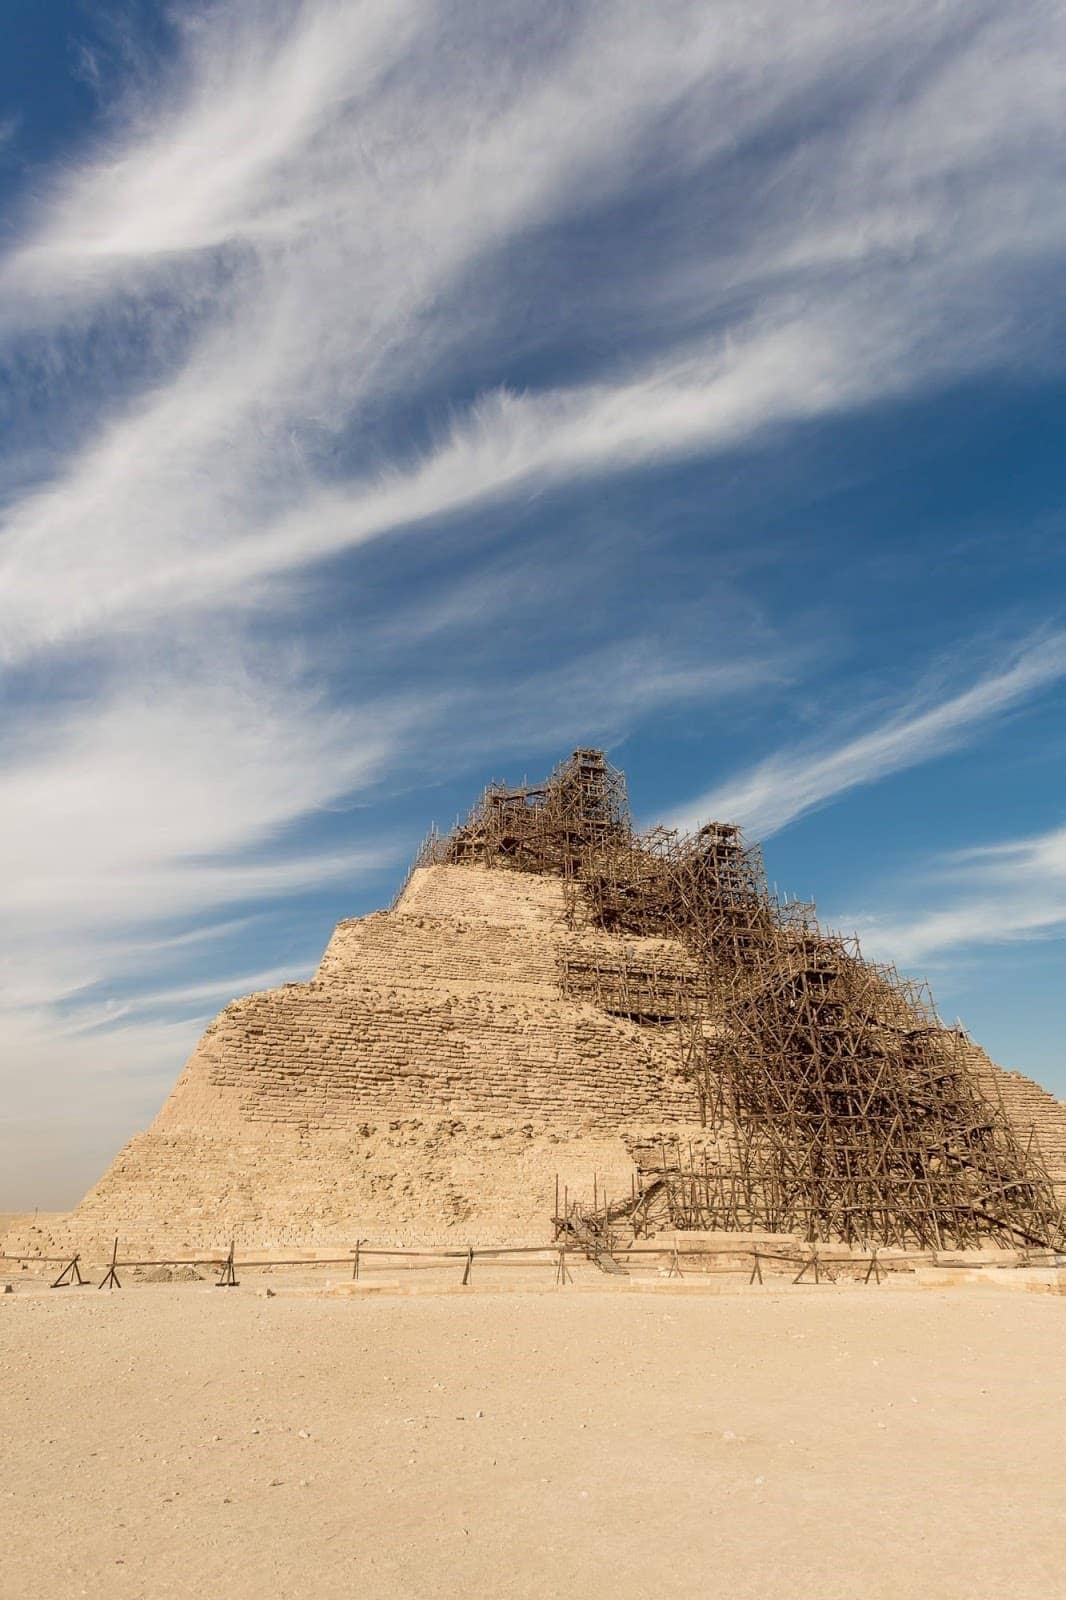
column 395, row 395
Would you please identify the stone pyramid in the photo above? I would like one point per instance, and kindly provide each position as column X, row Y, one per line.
column 522, row 1018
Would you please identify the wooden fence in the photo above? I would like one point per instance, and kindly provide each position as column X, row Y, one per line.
column 363, row 1256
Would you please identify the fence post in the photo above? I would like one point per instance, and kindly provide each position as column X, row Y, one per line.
column 228, row 1279
column 813, row 1262
column 756, row 1271
column 562, row 1271
column 873, row 1267
column 110, row 1278
column 469, row 1264
column 355, row 1263
column 675, row 1265
column 71, row 1274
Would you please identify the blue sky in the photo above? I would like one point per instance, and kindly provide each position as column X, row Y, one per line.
column 393, row 396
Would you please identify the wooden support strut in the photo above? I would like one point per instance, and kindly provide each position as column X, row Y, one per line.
column 812, row 1261
column 71, row 1274
column 228, row 1277
column 110, row 1279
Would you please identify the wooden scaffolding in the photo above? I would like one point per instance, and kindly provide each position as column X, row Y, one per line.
column 837, row 1104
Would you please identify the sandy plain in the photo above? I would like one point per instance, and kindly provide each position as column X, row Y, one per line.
column 837, row 1443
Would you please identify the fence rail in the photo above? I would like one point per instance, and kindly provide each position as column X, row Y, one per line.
column 815, row 1262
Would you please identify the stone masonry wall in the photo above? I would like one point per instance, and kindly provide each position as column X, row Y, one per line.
column 417, row 1013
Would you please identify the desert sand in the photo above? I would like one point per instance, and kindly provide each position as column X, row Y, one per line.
column 179, row 1439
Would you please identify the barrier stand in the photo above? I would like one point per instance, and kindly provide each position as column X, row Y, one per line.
column 110, row 1278
column 355, row 1263
column 874, row 1268
column 562, row 1271
column 756, row 1271
column 813, row 1262
column 71, row 1274
column 228, row 1278
column 469, row 1264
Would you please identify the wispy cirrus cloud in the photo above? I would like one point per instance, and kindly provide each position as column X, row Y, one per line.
column 189, row 997
column 323, row 260
column 155, row 802
column 995, row 894
column 791, row 783
column 505, row 445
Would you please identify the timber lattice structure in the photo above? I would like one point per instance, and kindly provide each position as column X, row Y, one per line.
column 835, row 1102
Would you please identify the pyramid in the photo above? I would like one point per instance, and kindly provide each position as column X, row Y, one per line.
column 558, row 1006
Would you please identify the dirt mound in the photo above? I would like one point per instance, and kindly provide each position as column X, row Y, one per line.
column 165, row 1274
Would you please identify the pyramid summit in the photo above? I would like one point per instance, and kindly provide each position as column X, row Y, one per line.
column 554, row 995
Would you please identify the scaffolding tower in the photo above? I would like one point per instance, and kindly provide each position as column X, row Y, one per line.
column 836, row 1103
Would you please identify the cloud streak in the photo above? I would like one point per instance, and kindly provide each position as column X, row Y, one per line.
column 994, row 895
column 323, row 261
column 791, row 783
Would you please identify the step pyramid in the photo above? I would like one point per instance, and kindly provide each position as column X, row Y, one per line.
column 556, row 1007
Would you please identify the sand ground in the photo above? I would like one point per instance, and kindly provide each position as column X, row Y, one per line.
column 181, row 1440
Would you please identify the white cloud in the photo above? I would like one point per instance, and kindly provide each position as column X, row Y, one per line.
column 597, row 696
column 791, row 783
column 144, row 801
column 70, row 1103
column 348, row 217
column 169, row 548
column 1005, row 892
column 150, row 804
column 221, row 155
column 219, row 991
